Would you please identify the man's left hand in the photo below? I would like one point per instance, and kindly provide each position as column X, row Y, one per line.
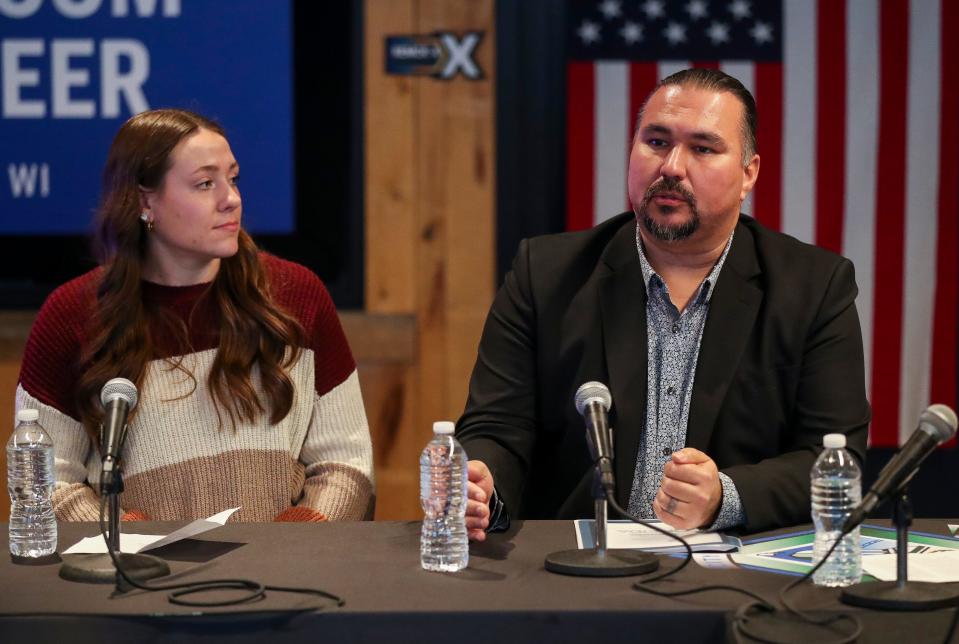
column 690, row 492
column 479, row 489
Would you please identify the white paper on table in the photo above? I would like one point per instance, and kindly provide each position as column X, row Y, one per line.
column 621, row 533
column 140, row 542
column 714, row 560
column 939, row 566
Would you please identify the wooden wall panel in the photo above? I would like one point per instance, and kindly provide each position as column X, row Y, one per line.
column 389, row 192
column 449, row 134
column 14, row 328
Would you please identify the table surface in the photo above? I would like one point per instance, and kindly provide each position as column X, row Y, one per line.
column 504, row 595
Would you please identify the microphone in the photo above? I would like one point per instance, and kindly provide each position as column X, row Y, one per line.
column 937, row 424
column 593, row 401
column 118, row 397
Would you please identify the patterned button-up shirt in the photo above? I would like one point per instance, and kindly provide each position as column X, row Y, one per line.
column 673, row 340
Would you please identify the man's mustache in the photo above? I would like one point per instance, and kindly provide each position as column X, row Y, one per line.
column 669, row 186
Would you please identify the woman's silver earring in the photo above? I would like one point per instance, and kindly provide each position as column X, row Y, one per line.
column 145, row 218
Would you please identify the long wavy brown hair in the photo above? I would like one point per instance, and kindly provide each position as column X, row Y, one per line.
column 253, row 329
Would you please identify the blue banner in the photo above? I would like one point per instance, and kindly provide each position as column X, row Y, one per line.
column 72, row 71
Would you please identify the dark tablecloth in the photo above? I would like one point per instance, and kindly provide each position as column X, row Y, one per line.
column 505, row 595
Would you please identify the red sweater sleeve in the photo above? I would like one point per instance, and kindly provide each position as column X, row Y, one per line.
column 51, row 359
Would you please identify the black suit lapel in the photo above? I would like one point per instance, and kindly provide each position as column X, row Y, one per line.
column 622, row 297
column 732, row 313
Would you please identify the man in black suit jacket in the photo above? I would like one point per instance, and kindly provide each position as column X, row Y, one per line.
column 774, row 364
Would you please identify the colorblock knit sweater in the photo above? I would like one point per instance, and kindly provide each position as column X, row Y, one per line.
column 178, row 463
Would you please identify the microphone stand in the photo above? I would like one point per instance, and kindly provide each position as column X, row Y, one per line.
column 901, row 594
column 99, row 568
column 599, row 561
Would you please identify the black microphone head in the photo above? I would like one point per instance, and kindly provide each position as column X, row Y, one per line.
column 119, row 389
column 592, row 391
column 939, row 421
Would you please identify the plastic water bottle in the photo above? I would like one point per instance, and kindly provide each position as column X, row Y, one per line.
column 443, row 542
column 33, row 526
column 836, row 489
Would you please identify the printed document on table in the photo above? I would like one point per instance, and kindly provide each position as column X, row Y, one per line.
column 133, row 543
column 935, row 566
column 626, row 534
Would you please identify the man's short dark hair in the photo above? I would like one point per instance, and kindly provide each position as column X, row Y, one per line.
column 716, row 81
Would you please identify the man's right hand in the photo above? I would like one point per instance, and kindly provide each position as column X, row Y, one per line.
column 479, row 491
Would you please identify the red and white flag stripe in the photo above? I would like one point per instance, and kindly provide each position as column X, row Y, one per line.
column 858, row 135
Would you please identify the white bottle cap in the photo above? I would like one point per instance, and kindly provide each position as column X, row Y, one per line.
column 27, row 415
column 834, row 441
column 443, row 427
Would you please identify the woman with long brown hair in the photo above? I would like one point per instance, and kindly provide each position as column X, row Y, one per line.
column 248, row 393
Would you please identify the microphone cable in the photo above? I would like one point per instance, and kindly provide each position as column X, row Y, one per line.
column 952, row 626
column 746, row 611
column 643, row 584
column 182, row 592
column 742, row 616
column 688, row 555
column 825, row 621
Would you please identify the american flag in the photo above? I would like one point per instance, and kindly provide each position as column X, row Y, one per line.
column 858, row 133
